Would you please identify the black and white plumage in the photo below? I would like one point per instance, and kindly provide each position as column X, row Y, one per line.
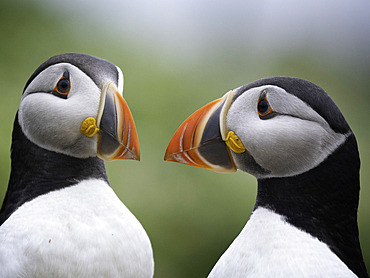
column 60, row 217
column 291, row 136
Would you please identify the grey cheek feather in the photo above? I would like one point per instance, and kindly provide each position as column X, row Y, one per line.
column 246, row 163
column 44, row 81
column 54, row 123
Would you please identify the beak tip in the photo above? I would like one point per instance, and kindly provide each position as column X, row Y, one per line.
column 169, row 158
column 136, row 149
column 133, row 154
column 167, row 155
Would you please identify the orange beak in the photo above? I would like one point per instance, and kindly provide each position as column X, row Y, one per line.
column 199, row 141
column 118, row 137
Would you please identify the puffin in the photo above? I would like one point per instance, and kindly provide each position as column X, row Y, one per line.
column 60, row 217
column 289, row 134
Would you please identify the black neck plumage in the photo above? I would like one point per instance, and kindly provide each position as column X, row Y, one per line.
column 36, row 171
column 323, row 202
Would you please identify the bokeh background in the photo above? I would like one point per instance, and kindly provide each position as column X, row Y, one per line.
column 177, row 56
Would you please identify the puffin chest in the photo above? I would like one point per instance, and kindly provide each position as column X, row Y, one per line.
column 83, row 231
column 268, row 246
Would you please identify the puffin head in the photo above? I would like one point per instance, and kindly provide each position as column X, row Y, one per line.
column 73, row 104
column 272, row 127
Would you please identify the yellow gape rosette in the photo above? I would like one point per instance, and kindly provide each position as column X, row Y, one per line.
column 234, row 143
column 89, row 127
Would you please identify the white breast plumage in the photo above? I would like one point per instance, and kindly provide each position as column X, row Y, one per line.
column 79, row 231
column 268, row 246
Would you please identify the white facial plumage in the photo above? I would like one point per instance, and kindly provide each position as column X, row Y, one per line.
column 53, row 123
column 293, row 140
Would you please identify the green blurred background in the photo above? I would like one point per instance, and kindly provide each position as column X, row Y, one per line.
column 177, row 56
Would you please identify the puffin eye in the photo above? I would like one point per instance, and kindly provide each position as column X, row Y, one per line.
column 263, row 106
column 63, row 86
